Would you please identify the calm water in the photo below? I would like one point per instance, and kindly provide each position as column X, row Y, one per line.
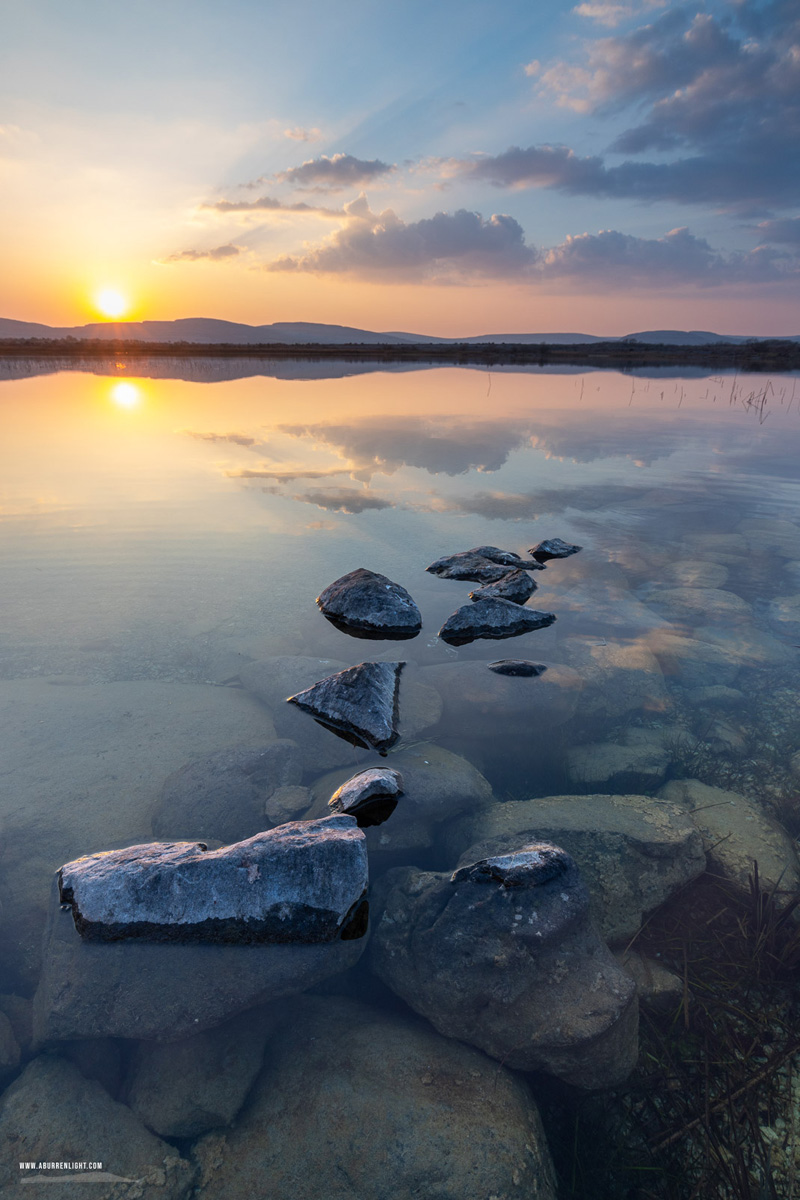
column 161, row 535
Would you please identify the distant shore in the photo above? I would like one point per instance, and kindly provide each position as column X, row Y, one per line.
column 750, row 356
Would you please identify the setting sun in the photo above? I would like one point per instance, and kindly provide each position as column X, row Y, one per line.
column 126, row 395
column 111, row 303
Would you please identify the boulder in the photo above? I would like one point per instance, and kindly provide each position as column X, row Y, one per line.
column 222, row 796
column 492, row 619
column 287, row 803
column 517, row 586
column 162, row 991
column 657, row 988
column 619, row 676
column 370, row 796
column 304, row 882
column 553, row 548
column 701, row 603
column 520, row 668
column 359, row 704
column 182, row 1089
column 368, row 605
column 600, row 607
column 784, row 616
column 771, row 533
column 693, row 663
column 52, row 1114
column 356, row 1103
column 437, row 786
column 639, row 764
column 633, row 852
column 716, row 696
column 695, row 573
column 736, row 832
column 502, row 955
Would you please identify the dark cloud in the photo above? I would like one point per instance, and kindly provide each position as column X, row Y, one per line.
column 284, row 476
column 784, row 231
column 270, row 204
column 439, row 445
column 334, row 174
column 218, row 254
column 443, row 246
column 347, row 500
column 238, row 439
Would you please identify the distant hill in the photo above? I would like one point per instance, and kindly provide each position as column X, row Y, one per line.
column 202, row 330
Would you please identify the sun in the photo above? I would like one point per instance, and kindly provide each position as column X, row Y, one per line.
column 111, row 303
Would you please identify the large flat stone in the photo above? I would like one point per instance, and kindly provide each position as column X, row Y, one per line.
column 495, row 619
column 299, row 883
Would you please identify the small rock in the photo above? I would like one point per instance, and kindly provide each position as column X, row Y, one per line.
column 517, row 667
column 716, row 696
column 52, row 1114
column 517, row 587
column 502, row 955
column 658, row 989
column 620, row 676
column 784, row 616
column 621, row 768
column 695, row 573
column 182, row 1089
column 368, row 605
column 300, row 883
column 288, row 803
column 482, row 564
column 553, row 548
column 359, row 704
column 771, row 533
column 370, row 796
column 494, row 619
column 710, row 604
column 354, row 1102
column 222, row 796
column 794, row 764
column 692, row 662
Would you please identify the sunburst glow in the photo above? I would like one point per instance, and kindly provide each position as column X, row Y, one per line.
column 111, row 303
column 126, row 395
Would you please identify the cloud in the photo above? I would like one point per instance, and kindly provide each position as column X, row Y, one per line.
column 446, row 245
column 285, row 476
column 526, row 506
column 615, row 14
column 334, row 174
column 298, row 134
column 270, row 204
column 782, row 231
column 721, row 91
column 438, row 445
column 238, row 439
column 218, row 254
column 347, row 500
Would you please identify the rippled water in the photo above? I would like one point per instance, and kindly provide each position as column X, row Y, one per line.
column 161, row 535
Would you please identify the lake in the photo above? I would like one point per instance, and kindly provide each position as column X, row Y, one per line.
column 164, row 537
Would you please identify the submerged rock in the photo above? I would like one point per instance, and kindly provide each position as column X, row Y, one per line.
column 494, row 619
column 517, row 667
column 359, row 704
column 482, row 564
column 222, row 796
column 502, row 955
column 182, row 1089
column 516, row 586
column 357, row 1103
column 53, row 1114
column 162, row 991
column 370, row 796
column 639, row 764
column 368, row 605
column 553, row 548
column 302, row 882
column 633, row 852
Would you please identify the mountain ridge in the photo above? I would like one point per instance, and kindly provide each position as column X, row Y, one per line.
column 204, row 330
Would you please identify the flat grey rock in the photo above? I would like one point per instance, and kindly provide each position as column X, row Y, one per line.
column 516, row 586
column 304, row 882
column 222, row 796
column 553, row 548
column 359, row 704
column 370, row 796
column 517, row 668
column 502, row 955
column 368, row 605
column 482, row 564
column 494, row 619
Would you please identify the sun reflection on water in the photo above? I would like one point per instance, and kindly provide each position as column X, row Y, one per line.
column 125, row 394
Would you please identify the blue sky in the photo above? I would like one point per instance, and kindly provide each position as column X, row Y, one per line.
column 294, row 160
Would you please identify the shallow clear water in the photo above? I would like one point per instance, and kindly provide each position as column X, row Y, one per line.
column 160, row 535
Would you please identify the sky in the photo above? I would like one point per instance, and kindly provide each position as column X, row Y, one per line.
column 455, row 169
